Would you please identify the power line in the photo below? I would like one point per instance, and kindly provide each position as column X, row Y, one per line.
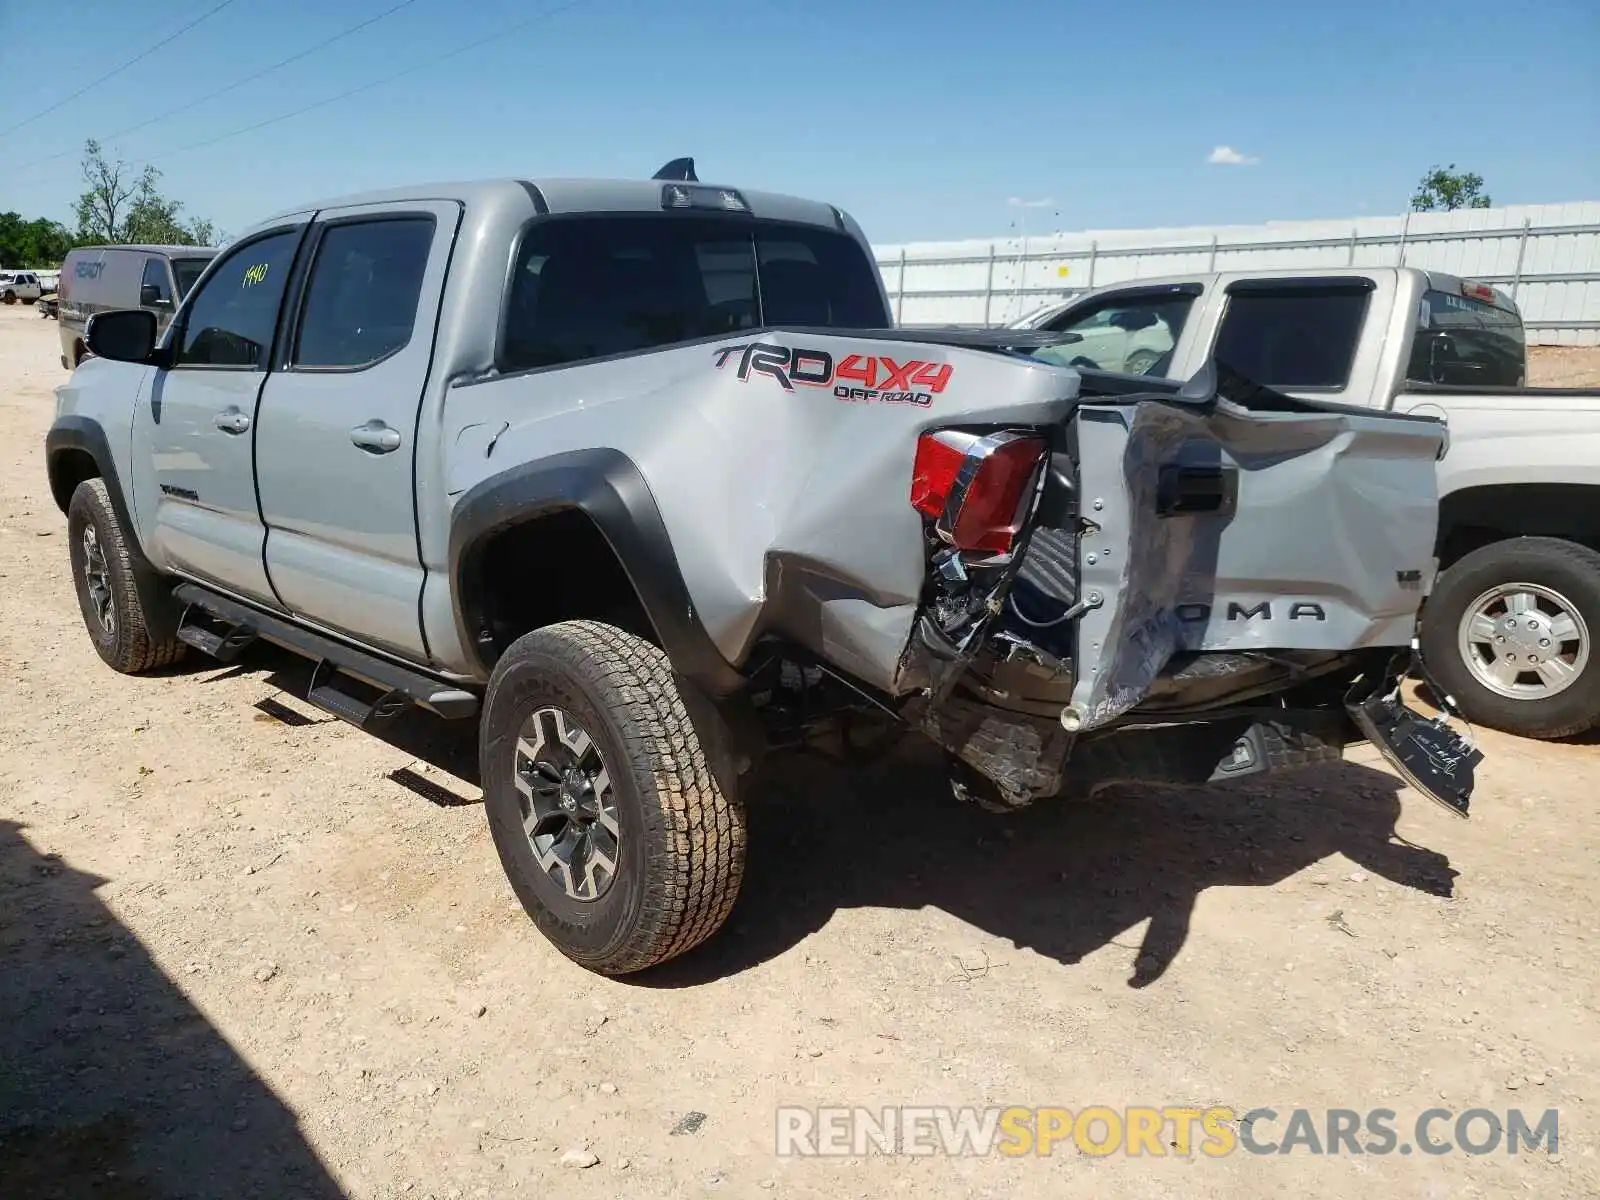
column 430, row 64
column 236, row 84
column 137, row 58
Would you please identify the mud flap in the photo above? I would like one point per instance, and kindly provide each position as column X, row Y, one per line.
column 1428, row 754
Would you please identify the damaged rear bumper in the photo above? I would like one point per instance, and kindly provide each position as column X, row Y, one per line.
column 1026, row 756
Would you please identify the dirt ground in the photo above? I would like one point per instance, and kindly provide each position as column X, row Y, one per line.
column 246, row 950
column 1564, row 366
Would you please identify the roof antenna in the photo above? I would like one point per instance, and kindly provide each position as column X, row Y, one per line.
column 681, row 169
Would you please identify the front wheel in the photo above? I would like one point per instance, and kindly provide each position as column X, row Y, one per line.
column 1509, row 632
column 611, row 826
column 102, row 571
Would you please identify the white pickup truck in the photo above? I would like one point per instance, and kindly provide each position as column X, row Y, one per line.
column 20, row 285
column 1509, row 630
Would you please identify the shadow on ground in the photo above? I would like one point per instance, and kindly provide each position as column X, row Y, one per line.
column 112, row 1085
column 1062, row 879
column 452, row 746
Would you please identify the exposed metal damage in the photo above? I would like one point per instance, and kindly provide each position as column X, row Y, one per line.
column 1101, row 646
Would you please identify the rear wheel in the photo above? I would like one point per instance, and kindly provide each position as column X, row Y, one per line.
column 9, row 297
column 615, row 834
column 102, row 571
column 1509, row 631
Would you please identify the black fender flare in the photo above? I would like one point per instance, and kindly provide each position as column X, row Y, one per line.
column 608, row 487
column 162, row 614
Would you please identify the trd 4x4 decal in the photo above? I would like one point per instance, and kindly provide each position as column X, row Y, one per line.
column 879, row 378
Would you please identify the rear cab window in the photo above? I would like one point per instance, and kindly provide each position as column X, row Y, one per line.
column 1467, row 342
column 591, row 287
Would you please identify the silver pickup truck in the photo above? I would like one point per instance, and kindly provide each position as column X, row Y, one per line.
column 1510, row 627
column 636, row 475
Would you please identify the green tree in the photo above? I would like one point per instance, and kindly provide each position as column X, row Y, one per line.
column 121, row 207
column 37, row 243
column 1442, row 190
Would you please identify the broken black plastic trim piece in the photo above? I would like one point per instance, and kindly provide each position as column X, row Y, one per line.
column 1429, row 755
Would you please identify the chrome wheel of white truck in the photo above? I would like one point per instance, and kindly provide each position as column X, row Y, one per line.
column 1524, row 641
column 1508, row 632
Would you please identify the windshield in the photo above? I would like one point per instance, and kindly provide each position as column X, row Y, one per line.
column 185, row 271
column 1467, row 342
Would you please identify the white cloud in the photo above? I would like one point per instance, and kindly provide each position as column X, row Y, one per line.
column 1227, row 156
column 1018, row 202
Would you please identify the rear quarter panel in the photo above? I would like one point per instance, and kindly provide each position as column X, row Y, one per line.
column 763, row 482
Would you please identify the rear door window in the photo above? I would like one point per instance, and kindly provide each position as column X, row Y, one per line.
column 361, row 300
column 1292, row 335
column 1468, row 343
column 589, row 288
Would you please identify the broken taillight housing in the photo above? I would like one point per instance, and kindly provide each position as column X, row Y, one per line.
column 973, row 487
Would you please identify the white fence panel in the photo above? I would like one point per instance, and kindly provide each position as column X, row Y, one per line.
column 1546, row 256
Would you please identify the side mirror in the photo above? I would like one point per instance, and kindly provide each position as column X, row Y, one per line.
column 124, row 335
column 150, row 296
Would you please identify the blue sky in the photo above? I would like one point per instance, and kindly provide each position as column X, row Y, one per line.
column 923, row 119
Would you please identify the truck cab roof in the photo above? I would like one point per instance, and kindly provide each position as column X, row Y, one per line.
column 561, row 196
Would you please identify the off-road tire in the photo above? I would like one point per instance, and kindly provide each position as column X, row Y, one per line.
column 127, row 646
column 29, row 299
column 1565, row 567
column 8, row 298
column 681, row 847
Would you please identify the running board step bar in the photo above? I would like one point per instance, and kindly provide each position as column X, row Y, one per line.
column 220, row 639
column 334, row 691
column 337, row 662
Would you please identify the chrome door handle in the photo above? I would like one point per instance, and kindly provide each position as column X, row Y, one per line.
column 375, row 437
column 231, row 420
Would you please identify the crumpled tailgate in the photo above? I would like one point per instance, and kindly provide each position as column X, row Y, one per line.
column 1223, row 529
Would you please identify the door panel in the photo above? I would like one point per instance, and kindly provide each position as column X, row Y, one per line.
column 197, row 429
column 206, row 521
column 335, row 441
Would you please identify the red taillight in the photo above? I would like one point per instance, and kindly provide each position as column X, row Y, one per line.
column 990, row 510
column 934, row 474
